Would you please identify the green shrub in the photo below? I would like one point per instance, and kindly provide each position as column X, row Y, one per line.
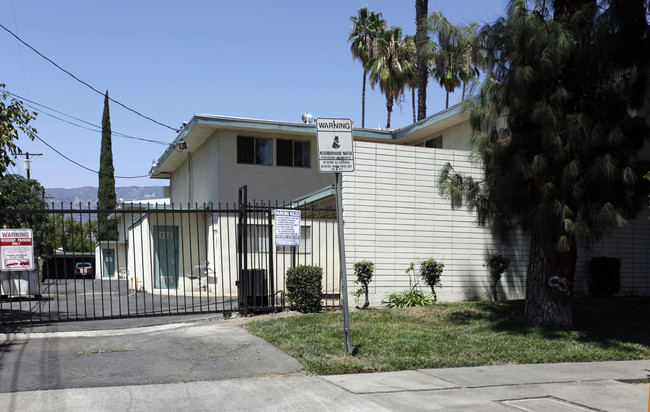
column 497, row 264
column 408, row 298
column 430, row 272
column 413, row 296
column 605, row 276
column 364, row 270
column 304, row 286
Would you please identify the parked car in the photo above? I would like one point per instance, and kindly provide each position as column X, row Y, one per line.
column 83, row 269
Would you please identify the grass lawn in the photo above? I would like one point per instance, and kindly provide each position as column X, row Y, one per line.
column 460, row 334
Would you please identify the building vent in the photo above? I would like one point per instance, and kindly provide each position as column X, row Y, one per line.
column 307, row 118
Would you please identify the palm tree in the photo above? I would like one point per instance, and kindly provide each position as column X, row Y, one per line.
column 390, row 66
column 459, row 57
column 366, row 27
column 422, row 49
column 472, row 56
column 448, row 56
column 412, row 76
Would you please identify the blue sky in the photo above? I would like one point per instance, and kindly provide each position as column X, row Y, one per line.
column 168, row 60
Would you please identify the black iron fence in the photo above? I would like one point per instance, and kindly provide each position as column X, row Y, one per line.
column 154, row 260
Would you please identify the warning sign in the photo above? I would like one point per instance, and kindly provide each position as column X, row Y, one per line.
column 16, row 249
column 335, row 147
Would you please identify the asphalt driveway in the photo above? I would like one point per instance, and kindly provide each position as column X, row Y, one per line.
column 203, row 350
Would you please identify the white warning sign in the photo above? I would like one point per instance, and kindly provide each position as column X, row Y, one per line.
column 335, row 145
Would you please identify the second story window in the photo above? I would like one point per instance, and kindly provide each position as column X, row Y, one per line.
column 294, row 153
column 254, row 150
column 435, row 143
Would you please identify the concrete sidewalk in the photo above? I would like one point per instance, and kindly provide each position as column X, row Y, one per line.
column 208, row 364
column 607, row 386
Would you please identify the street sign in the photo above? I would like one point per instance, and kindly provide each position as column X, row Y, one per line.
column 335, row 145
column 336, row 155
column 287, row 227
column 16, row 249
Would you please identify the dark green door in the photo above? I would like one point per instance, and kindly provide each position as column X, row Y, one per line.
column 109, row 263
column 166, row 257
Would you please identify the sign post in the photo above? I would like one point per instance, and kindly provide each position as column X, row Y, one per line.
column 336, row 155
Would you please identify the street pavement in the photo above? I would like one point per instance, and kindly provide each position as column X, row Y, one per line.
column 206, row 363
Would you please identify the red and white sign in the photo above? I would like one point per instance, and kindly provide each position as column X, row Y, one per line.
column 16, row 249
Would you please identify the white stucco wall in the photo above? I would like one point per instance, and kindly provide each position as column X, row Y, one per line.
column 265, row 183
column 457, row 137
column 211, row 173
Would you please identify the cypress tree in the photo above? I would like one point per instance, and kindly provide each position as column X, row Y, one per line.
column 106, row 197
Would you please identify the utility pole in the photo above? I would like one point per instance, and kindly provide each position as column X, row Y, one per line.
column 27, row 161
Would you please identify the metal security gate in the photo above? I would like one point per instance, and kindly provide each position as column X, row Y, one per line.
column 263, row 265
column 158, row 260
column 163, row 260
column 255, row 257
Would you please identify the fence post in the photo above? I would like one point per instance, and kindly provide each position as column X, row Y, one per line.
column 242, row 228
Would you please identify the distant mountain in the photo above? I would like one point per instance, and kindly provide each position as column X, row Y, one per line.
column 88, row 195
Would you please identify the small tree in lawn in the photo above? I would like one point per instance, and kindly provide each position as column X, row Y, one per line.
column 430, row 272
column 497, row 264
column 364, row 270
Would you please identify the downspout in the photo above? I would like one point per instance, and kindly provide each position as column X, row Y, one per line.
column 189, row 179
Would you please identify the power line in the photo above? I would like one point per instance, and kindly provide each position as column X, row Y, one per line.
column 84, row 83
column 97, row 128
column 82, row 166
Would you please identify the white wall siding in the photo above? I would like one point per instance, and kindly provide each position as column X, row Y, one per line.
column 394, row 215
column 630, row 243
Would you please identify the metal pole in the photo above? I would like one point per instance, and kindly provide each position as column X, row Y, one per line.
column 344, row 278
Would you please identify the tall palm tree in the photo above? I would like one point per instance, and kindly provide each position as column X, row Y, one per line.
column 472, row 56
column 422, row 44
column 448, row 56
column 459, row 57
column 366, row 27
column 390, row 66
column 412, row 79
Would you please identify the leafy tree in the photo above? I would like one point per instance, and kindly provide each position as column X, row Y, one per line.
column 106, row 197
column 558, row 128
column 72, row 235
column 20, row 194
column 13, row 117
column 363, row 269
column 390, row 67
column 423, row 51
column 366, row 27
column 431, row 272
column 497, row 264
